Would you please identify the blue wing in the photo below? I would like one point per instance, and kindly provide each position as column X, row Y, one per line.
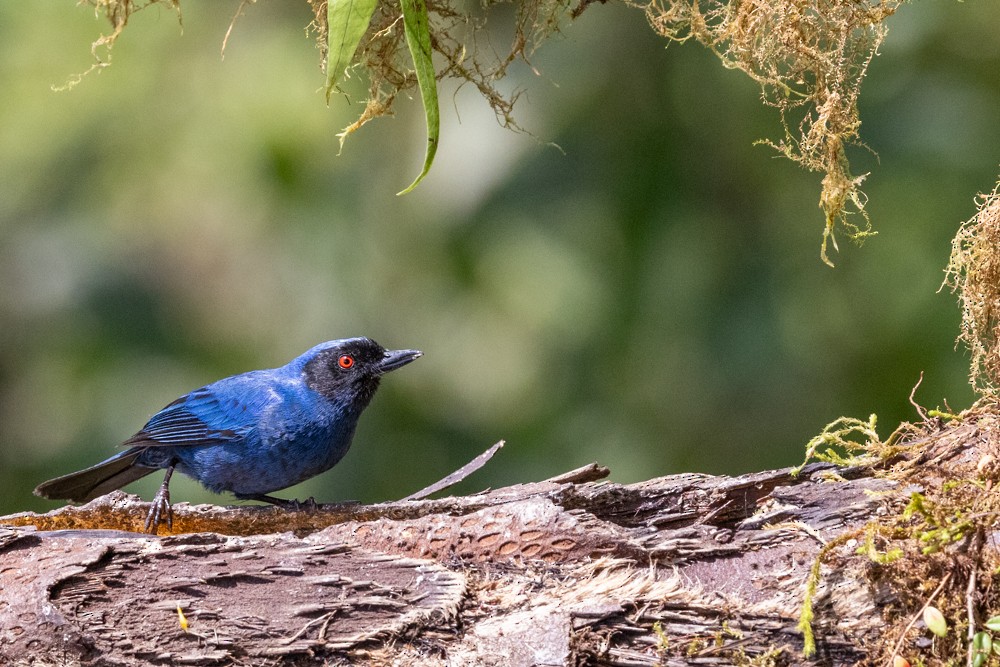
column 207, row 416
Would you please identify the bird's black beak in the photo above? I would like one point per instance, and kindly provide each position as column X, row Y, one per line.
column 394, row 359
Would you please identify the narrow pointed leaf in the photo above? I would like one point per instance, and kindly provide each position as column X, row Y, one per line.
column 346, row 22
column 418, row 38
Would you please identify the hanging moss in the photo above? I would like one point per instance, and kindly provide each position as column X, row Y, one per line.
column 809, row 58
column 974, row 274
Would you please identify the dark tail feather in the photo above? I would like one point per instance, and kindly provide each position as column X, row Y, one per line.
column 97, row 480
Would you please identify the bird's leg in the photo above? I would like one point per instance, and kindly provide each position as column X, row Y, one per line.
column 161, row 505
column 294, row 505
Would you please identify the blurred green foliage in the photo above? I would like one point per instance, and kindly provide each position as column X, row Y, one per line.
column 651, row 298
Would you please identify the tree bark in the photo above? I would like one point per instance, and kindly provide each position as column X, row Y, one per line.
column 679, row 570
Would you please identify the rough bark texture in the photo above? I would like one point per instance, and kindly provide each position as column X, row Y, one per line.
column 680, row 570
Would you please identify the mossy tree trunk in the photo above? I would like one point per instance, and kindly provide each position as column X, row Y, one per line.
column 679, row 570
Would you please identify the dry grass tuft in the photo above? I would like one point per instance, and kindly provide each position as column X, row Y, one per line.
column 117, row 12
column 974, row 272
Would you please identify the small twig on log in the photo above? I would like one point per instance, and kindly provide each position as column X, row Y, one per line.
column 970, row 598
column 913, row 401
column 721, row 648
column 325, row 619
column 457, row 476
column 588, row 473
column 714, row 513
column 971, row 610
column 916, row 617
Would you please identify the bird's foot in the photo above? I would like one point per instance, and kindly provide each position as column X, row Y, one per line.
column 160, row 509
column 309, row 504
column 160, row 506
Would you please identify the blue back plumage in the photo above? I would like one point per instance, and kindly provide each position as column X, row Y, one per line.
column 265, row 430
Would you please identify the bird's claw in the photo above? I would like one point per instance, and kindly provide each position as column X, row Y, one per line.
column 296, row 505
column 159, row 509
column 309, row 505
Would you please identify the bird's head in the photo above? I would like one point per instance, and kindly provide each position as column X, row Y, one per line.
column 348, row 370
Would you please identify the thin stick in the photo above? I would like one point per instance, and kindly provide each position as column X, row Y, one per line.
column 324, row 618
column 971, row 609
column 919, row 614
column 913, row 401
column 970, row 595
column 457, row 476
column 588, row 473
column 239, row 12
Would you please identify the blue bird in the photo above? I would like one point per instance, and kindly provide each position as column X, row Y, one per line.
column 249, row 434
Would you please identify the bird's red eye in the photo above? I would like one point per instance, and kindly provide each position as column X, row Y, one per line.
column 346, row 361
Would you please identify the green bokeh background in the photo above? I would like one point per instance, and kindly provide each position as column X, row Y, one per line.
column 652, row 298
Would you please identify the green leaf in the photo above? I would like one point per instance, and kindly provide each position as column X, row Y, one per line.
column 346, row 21
column 418, row 38
column 993, row 624
column 934, row 620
